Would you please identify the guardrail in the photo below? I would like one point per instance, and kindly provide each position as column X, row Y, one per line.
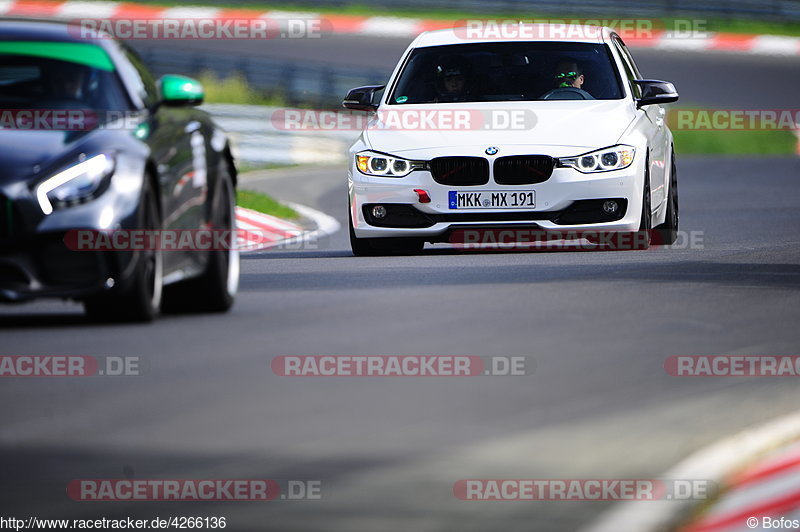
column 256, row 139
column 310, row 84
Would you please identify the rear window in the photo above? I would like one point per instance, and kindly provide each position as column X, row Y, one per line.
column 507, row 71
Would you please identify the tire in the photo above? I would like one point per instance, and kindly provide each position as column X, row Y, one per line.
column 667, row 233
column 643, row 236
column 361, row 247
column 402, row 246
column 375, row 247
column 141, row 299
column 215, row 290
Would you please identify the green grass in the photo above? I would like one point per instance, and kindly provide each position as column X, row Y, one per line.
column 735, row 142
column 243, row 167
column 250, row 199
column 727, row 25
column 726, row 142
column 235, row 89
column 755, row 26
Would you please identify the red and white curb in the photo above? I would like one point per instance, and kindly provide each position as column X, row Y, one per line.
column 717, row 463
column 259, row 231
column 770, row 488
column 382, row 26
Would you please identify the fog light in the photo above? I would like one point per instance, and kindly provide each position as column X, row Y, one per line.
column 379, row 212
column 610, row 207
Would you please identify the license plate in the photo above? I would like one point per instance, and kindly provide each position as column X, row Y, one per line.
column 491, row 199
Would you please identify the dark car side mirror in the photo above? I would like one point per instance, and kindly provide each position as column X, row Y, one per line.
column 180, row 90
column 655, row 92
column 360, row 98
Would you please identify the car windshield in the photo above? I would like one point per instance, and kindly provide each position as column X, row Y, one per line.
column 41, row 75
column 508, row 71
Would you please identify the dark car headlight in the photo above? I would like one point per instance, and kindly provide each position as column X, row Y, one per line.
column 76, row 184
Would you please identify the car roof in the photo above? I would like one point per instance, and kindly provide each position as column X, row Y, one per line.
column 48, row 30
column 486, row 31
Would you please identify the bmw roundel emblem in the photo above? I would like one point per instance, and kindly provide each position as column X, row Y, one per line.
column 491, row 150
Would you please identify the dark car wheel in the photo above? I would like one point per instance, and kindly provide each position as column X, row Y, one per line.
column 373, row 247
column 667, row 233
column 140, row 300
column 361, row 247
column 216, row 289
column 643, row 236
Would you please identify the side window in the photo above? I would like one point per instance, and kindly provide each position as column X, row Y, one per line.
column 147, row 85
column 631, row 72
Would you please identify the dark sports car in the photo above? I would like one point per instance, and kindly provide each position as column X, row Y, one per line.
column 90, row 142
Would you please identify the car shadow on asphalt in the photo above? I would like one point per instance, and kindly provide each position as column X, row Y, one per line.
column 42, row 481
column 401, row 273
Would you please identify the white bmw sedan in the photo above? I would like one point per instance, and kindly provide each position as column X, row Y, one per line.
column 536, row 132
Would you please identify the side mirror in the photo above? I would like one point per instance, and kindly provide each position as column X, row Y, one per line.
column 654, row 91
column 360, row 98
column 180, row 90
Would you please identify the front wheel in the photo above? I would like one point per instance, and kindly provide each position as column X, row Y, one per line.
column 667, row 233
column 141, row 299
column 216, row 289
column 375, row 247
column 643, row 235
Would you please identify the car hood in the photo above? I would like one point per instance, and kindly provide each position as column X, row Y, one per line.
column 23, row 150
column 27, row 154
column 582, row 125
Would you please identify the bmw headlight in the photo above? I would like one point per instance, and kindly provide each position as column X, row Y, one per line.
column 605, row 160
column 76, row 184
column 382, row 165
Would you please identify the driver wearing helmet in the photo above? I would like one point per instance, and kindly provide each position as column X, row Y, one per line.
column 451, row 83
column 65, row 81
column 569, row 75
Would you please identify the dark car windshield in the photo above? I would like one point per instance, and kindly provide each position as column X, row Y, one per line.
column 38, row 76
column 508, row 71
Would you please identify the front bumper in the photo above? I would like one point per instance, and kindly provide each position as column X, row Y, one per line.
column 568, row 201
column 43, row 266
column 36, row 262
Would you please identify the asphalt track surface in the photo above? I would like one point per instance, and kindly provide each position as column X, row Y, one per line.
column 595, row 326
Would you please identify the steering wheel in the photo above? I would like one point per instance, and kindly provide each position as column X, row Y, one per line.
column 567, row 93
